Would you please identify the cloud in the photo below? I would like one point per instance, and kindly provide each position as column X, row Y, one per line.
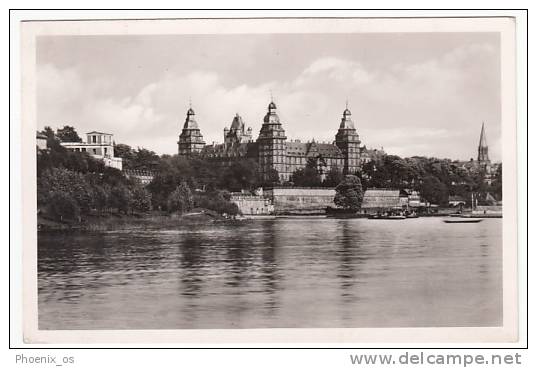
column 433, row 107
column 334, row 69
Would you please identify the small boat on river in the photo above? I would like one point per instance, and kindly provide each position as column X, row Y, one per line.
column 387, row 217
column 395, row 217
column 462, row 220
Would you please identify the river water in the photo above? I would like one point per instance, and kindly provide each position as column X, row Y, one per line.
column 285, row 272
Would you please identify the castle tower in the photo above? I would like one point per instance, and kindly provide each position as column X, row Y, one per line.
column 190, row 139
column 237, row 133
column 483, row 150
column 271, row 145
column 348, row 142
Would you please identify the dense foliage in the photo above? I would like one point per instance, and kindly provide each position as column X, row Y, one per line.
column 204, row 177
column 181, row 199
column 349, row 193
column 72, row 185
column 68, row 134
column 308, row 176
column 136, row 159
column 435, row 179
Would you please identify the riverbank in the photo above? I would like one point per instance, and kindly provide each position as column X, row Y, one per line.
column 115, row 221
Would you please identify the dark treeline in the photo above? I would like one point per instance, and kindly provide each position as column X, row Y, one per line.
column 137, row 159
column 73, row 184
column 435, row 179
column 210, row 182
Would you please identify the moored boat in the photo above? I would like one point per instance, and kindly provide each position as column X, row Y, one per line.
column 387, row 217
column 462, row 220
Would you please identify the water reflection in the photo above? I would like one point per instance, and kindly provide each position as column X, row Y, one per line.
column 274, row 273
column 191, row 265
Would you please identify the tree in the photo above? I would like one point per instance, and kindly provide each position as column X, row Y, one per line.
column 349, row 194
column 333, row 177
column 114, row 177
column 218, row 201
column 68, row 134
column 496, row 185
column 51, row 136
column 137, row 159
column 181, row 199
column 65, row 181
column 171, row 172
column 121, row 198
column 141, row 199
column 145, row 160
column 242, row 174
column 100, row 197
column 49, row 132
column 124, row 151
column 63, row 206
column 308, row 176
column 434, row 191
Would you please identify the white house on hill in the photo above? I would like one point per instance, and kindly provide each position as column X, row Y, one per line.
column 100, row 146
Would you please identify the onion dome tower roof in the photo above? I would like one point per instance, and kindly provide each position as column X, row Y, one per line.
column 271, row 117
column 346, row 121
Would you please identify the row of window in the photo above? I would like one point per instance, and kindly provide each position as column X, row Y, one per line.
column 100, row 139
column 93, row 150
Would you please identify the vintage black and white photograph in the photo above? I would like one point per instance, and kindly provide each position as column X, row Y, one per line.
column 252, row 174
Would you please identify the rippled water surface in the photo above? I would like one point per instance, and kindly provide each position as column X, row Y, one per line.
column 294, row 272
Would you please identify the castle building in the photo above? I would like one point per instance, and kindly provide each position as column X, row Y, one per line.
column 273, row 151
column 100, row 146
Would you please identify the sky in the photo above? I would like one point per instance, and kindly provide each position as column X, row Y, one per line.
column 409, row 93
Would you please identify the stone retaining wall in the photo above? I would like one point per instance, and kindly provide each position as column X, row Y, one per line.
column 301, row 200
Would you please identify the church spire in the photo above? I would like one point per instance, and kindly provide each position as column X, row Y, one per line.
column 483, row 149
column 482, row 137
